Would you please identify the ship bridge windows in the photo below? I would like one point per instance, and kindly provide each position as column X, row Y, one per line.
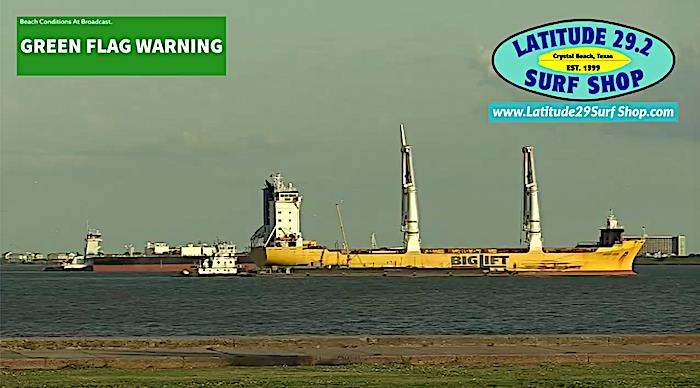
column 287, row 197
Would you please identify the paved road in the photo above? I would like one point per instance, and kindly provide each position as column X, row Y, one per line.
column 258, row 351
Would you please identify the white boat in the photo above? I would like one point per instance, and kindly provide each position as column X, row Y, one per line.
column 76, row 263
column 222, row 263
column 79, row 263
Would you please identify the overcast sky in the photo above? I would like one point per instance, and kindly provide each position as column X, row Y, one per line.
column 316, row 90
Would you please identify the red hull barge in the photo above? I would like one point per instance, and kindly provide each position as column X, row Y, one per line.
column 141, row 267
column 152, row 264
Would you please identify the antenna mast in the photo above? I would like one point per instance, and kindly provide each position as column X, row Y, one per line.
column 87, row 235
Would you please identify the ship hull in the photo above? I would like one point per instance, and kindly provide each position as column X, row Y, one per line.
column 151, row 264
column 143, row 263
column 86, row 268
column 141, row 267
column 606, row 261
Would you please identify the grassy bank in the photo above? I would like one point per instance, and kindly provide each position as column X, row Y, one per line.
column 634, row 374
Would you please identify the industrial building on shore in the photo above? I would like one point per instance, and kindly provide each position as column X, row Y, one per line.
column 662, row 246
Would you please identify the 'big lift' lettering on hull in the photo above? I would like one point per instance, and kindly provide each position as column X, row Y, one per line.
column 479, row 261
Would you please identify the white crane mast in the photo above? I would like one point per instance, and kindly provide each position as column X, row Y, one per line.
column 409, row 199
column 531, row 206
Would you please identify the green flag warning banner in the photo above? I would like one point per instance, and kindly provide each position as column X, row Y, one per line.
column 121, row 45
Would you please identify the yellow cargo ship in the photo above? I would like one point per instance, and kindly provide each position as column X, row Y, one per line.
column 279, row 241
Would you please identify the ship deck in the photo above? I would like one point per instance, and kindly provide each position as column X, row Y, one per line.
column 459, row 250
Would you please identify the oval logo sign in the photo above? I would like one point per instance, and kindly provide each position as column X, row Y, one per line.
column 583, row 60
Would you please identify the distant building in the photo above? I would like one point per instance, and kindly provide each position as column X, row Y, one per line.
column 61, row 256
column 662, row 246
column 22, row 257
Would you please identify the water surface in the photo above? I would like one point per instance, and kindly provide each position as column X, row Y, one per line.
column 661, row 299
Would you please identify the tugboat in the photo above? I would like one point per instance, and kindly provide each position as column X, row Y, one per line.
column 223, row 262
column 76, row 263
column 79, row 263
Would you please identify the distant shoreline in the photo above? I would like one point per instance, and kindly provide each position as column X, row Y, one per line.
column 341, row 341
column 687, row 260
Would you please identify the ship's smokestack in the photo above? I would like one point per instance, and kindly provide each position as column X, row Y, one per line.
column 409, row 200
column 531, row 206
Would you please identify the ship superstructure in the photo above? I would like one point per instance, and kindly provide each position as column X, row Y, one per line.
column 281, row 215
column 93, row 243
column 272, row 246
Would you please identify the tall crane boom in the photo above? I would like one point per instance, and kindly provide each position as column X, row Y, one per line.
column 409, row 198
column 531, row 206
